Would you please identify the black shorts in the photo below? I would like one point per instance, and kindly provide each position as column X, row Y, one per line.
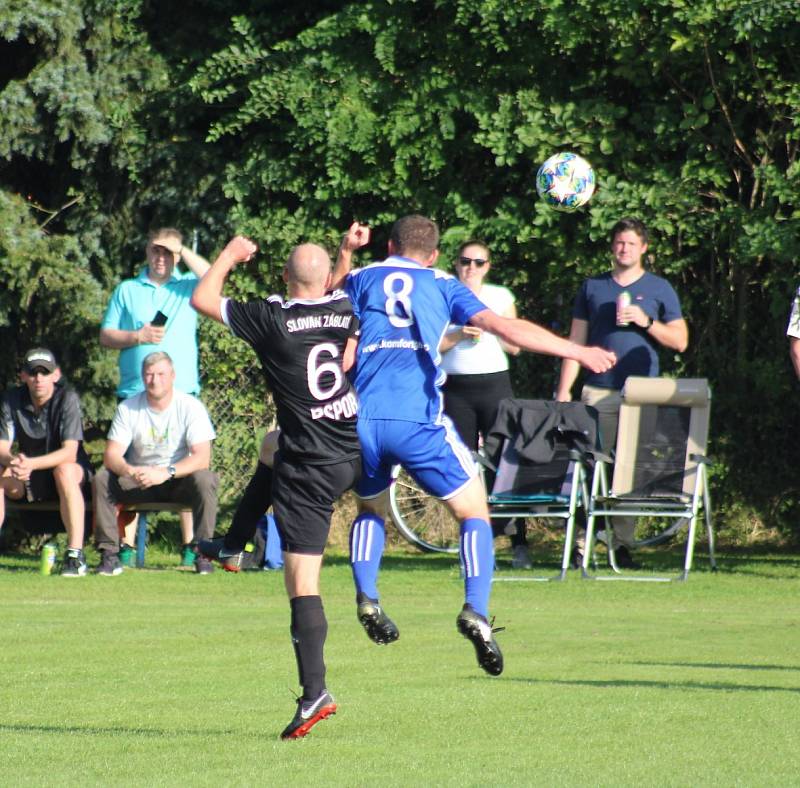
column 42, row 485
column 302, row 500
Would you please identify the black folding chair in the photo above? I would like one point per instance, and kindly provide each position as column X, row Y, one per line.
column 540, row 454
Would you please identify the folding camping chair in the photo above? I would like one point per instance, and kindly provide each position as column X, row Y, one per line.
column 541, row 452
column 659, row 465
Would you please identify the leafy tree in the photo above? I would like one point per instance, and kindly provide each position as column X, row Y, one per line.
column 688, row 112
column 289, row 121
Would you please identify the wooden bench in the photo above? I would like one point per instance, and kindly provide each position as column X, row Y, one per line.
column 140, row 508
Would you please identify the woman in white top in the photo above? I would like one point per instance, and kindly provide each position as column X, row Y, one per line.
column 476, row 364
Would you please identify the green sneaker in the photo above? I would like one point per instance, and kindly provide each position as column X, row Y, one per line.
column 127, row 555
column 188, row 555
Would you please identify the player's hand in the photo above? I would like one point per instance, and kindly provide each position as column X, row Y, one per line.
column 151, row 335
column 20, row 467
column 472, row 332
column 356, row 237
column 596, row 359
column 240, row 249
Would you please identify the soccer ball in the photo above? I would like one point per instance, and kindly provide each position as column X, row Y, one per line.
column 565, row 181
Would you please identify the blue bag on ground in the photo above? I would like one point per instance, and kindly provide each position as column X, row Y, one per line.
column 266, row 552
column 273, row 555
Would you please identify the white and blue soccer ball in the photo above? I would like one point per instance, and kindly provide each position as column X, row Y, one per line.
column 565, row 181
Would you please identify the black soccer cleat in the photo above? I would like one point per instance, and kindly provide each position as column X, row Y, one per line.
column 379, row 627
column 475, row 628
column 215, row 549
column 308, row 714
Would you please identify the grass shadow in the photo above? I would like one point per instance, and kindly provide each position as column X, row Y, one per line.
column 716, row 686
column 716, row 665
column 115, row 730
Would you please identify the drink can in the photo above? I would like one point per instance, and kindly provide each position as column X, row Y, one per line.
column 48, row 559
column 623, row 301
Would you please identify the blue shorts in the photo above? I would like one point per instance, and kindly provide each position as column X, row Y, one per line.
column 433, row 454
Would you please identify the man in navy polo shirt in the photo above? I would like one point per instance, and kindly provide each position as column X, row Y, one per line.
column 652, row 319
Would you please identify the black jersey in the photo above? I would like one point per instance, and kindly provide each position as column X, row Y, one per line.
column 300, row 344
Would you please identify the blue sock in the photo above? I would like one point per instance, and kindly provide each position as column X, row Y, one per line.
column 367, row 537
column 477, row 563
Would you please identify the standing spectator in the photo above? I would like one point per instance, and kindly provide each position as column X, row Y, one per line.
column 43, row 417
column 130, row 326
column 477, row 373
column 159, row 449
column 793, row 332
column 634, row 333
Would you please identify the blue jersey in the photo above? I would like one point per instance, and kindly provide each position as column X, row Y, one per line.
column 404, row 309
column 596, row 303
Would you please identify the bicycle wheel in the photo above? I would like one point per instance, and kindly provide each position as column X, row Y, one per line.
column 423, row 520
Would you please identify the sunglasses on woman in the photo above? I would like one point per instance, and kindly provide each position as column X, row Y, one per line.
column 477, row 260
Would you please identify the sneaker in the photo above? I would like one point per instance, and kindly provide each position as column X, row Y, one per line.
column 215, row 548
column 188, row 555
column 109, row 564
column 203, row 566
column 74, row 564
column 476, row 628
column 126, row 555
column 379, row 627
column 520, row 557
column 308, row 714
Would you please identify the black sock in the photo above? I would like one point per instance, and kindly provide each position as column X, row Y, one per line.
column 309, row 629
column 255, row 500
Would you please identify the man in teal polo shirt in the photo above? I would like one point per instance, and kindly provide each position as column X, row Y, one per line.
column 128, row 322
column 130, row 326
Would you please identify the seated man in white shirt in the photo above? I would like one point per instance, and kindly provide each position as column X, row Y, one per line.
column 159, row 450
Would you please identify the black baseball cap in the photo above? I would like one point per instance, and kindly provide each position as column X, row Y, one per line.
column 39, row 358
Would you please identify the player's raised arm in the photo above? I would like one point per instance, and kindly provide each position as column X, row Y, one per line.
column 207, row 297
column 535, row 338
column 356, row 236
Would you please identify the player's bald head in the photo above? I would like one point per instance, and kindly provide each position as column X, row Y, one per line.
column 308, row 265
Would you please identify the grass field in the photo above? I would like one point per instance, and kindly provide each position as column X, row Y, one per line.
column 162, row 677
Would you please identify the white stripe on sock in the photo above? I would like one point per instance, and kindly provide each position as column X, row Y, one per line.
column 476, row 564
column 362, row 541
column 468, row 554
column 371, row 525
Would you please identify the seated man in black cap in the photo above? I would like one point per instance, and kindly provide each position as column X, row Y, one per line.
column 43, row 417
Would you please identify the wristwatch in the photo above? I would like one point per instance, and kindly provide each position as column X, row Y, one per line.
column 650, row 322
column 171, row 470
